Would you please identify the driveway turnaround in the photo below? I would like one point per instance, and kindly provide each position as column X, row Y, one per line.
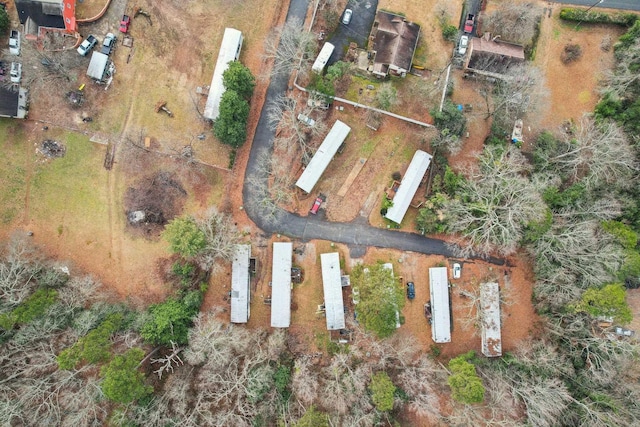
column 356, row 234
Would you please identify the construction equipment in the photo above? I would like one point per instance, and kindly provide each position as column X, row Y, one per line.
column 140, row 11
column 162, row 106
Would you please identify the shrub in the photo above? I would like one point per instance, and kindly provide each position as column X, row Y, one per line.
column 33, row 307
column 571, row 53
column 382, row 391
column 169, row 321
column 239, row 79
column 231, row 125
column 466, row 385
column 581, row 15
column 449, row 32
column 123, row 383
column 4, row 20
column 184, row 237
column 608, row 301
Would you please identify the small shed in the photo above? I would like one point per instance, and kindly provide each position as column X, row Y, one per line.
column 229, row 51
column 409, row 185
column 332, row 286
column 440, row 305
column 281, row 285
column 323, row 156
column 240, row 282
column 98, row 66
column 490, row 319
column 323, row 58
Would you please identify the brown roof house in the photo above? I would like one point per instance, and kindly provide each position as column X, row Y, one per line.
column 394, row 43
column 492, row 57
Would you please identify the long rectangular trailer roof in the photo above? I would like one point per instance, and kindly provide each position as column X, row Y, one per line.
column 332, row 286
column 240, row 292
column 440, row 308
column 281, row 285
column 229, row 51
column 409, row 185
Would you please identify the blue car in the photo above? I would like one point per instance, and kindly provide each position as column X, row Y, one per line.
column 411, row 290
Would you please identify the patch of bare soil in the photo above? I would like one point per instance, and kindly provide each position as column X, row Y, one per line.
column 152, row 202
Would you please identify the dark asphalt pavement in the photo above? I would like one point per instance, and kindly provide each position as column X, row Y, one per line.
column 364, row 12
column 606, row 4
column 356, row 234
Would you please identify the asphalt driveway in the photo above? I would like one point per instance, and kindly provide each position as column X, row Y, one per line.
column 364, row 12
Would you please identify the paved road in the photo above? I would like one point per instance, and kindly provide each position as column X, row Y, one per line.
column 356, row 234
column 364, row 12
column 607, row 4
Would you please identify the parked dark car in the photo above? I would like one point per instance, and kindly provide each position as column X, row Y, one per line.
column 109, row 43
column 411, row 290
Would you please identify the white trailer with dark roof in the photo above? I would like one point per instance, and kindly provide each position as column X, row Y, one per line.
column 321, row 159
column 409, row 185
column 332, row 286
column 490, row 318
column 229, row 51
column 440, row 305
column 281, row 285
column 240, row 282
column 323, row 58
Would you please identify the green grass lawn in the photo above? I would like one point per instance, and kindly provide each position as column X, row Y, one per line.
column 13, row 161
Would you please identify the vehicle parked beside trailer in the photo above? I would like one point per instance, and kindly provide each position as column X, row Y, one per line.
column 87, row 45
column 14, row 42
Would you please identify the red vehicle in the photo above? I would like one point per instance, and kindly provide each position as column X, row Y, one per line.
column 124, row 24
column 468, row 24
column 316, row 206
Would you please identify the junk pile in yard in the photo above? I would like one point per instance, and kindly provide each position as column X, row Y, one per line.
column 52, row 149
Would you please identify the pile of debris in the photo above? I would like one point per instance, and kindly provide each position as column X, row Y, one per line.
column 52, row 149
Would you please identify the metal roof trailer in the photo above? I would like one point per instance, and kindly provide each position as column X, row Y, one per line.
column 332, row 286
column 323, row 58
column 490, row 319
column 440, row 305
column 240, row 282
column 281, row 285
column 229, row 51
column 409, row 185
column 323, row 156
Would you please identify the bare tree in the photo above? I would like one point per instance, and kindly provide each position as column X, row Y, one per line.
column 271, row 183
column 18, row 267
column 624, row 77
column 290, row 46
column 513, row 22
column 167, row 362
column 221, row 236
column 282, row 113
column 499, row 202
column 597, row 154
column 419, row 381
column 304, row 382
column 520, row 91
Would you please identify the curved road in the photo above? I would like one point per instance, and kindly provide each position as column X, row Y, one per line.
column 356, row 234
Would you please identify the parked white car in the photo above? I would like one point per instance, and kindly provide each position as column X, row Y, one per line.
column 457, row 270
column 14, row 42
column 16, row 72
column 87, row 45
column 306, row 120
column 347, row 16
column 462, row 47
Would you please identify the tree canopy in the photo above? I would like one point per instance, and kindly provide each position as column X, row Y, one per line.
column 231, row 125
column 382, row 391
column 239, row 79
column 381, row 298
column 608, row 301
column 123, row 383
column 169, row 321
column 184, row 236
column 466, row 385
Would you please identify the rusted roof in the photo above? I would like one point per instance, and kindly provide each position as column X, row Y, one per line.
column 494, row 56
column 395, row 40
column 498, row 48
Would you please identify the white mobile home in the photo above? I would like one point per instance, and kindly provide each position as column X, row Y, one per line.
column 409, row 185
column 229, row 51
column 323, row 58
column 440, row 308
column 323, row 156
column 281, row 285
column 490, row 316
column 332, row 286
column 97, row 66
column 240, row 282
